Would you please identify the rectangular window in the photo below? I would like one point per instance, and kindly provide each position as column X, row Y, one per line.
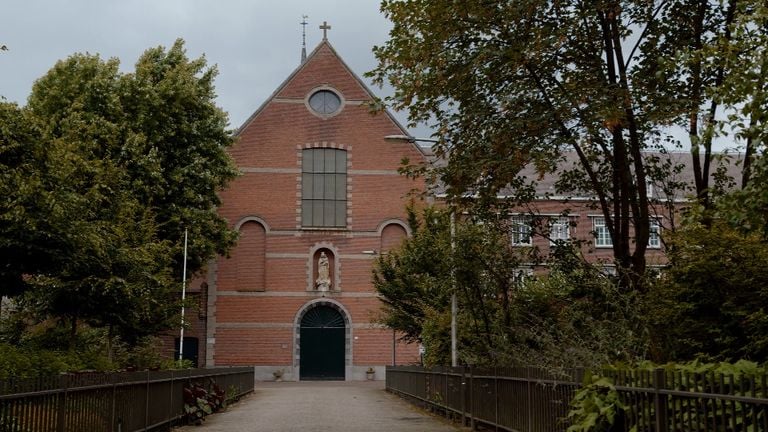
column 521, row 274
column 559, row 230
column 520, row 231
column 654, row 234
column 602, row 235
column 324, row 188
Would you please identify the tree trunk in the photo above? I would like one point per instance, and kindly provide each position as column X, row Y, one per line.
column 73, row 334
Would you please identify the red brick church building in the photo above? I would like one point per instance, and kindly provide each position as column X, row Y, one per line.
column 318, row 199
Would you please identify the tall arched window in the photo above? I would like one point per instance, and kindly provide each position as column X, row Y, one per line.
column 324, row 188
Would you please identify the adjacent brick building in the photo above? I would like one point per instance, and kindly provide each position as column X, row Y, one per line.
column 318, row 200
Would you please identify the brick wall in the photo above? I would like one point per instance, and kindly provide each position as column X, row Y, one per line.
column 259, row 291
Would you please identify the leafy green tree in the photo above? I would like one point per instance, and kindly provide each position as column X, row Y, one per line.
column 577, row 316
column 417, row 281
column 175, row 123
column 515, row 84
column 105, row 172
column 115, row 264
column 160, row 124
column 747, row 209
column 574, row 316
column 37, row 224
column 713, row 56
column 414, row 282
column 710, row 301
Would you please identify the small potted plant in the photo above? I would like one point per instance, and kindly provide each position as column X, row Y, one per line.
column 369, row 374
column 278, row 374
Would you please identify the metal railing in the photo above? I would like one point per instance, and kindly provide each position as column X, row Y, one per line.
column 676, row 401
column 514, row 399
column 530, row 399
column 109, row 402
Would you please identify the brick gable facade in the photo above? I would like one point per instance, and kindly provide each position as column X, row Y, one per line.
column 258, row 296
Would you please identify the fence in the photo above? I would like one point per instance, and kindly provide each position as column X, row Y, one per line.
column 514, row 399
column 530, row 399
column 113, row 402
column 673, row 401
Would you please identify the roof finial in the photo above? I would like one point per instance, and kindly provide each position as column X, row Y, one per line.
column 304, row 37
column 325, row 27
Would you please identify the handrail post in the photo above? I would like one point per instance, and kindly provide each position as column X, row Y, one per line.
column 660, row 400
column 146, row 405
column 171, row 414
column 471, row 398
column 445, row 397
column 114, row 403
column 529, row 397
column 496, row 397
column 62, row 408
column 463, row 392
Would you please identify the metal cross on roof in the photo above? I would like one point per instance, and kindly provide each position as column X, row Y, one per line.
column 325, row 27
column 304, row 37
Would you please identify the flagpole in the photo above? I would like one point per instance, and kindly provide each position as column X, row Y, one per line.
column 183, row 297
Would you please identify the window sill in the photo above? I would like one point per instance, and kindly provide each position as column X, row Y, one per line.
column 324, row 229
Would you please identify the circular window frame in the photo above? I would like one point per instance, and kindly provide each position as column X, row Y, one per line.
column 330, row 89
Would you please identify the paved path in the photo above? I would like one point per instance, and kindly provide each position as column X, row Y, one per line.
column 322, row 406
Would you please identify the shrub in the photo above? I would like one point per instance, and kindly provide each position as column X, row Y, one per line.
column 200, row 402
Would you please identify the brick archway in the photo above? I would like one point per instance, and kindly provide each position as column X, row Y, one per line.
column 297, row 331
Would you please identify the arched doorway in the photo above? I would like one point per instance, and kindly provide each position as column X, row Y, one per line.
column 322, row 344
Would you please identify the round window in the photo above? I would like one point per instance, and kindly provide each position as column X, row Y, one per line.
column 324, row 102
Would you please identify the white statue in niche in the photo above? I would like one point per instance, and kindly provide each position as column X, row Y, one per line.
column 323, row 282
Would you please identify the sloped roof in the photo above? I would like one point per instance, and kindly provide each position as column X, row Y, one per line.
column 323, row 44
column 546, row 184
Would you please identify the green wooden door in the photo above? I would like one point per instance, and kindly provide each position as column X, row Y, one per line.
column 321, row 340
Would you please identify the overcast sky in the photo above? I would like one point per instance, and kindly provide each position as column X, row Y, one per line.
column 255, row 43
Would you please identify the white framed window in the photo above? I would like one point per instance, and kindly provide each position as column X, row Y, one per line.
column 522, row 274
column 602, row 235
column 559, row 230
column 610, row 270
column 520, row 231
column 654, row 234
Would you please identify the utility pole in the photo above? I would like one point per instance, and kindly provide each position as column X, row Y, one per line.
column 183, row 297
column 454, row 306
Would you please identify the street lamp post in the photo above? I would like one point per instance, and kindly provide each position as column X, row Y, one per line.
column 454, row 306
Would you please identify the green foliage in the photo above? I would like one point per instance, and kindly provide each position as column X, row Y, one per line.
column 747, row 209
column 714, row 292
column 43, row 351
column 577, row 317
column 34, row 220
column 147, row 355
column 597, row 407
column 514, row 85
column 22, row 363
column 416, row 278
column 100, row 175
column 416, row 283
column 200, row 402
column 573, row 317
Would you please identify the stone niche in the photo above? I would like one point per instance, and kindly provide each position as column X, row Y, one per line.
column 324, row 274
